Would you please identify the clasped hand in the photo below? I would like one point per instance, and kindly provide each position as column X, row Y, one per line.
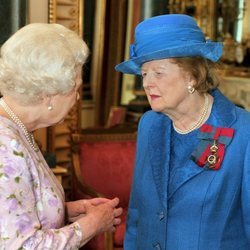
column 96, row 215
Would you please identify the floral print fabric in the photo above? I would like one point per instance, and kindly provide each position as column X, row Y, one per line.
column 31, row 198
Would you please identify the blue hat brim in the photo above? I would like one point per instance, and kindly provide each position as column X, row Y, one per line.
column 210, row 50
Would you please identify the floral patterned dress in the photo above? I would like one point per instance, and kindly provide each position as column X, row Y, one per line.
column 31, row 198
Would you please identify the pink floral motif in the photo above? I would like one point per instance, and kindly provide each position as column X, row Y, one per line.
column 32, row 200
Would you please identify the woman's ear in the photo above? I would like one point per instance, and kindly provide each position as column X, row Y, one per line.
column 190, row 80
column 48, row 102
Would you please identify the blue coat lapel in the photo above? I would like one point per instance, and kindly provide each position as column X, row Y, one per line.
column 184, row 174
column 223, row 110
column 159, row 145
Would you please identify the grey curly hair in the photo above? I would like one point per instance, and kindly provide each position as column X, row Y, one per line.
column 40, row 59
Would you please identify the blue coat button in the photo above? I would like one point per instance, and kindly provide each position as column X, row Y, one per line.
column 157, row 246
column 161, row 215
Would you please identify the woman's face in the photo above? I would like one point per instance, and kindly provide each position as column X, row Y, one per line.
column 165, row 84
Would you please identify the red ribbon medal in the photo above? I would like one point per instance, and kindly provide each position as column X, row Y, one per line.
column 211, row 148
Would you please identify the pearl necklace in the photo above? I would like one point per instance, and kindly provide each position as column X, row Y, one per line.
column 29, row 137
column 199, row 122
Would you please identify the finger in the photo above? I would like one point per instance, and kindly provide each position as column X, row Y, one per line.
column 118, row 212
column 98, row 201
column 114, row 202
column 117, row 221
column 113, row 229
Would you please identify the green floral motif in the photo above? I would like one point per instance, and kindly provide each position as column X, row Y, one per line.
column 4, row 238
column 12, row 196
column 17, row 179
column 18, row 153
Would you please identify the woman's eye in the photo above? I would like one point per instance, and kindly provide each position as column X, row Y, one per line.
column 143, row 75
column 159, row 74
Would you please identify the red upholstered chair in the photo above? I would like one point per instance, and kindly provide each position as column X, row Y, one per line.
column 103, row 161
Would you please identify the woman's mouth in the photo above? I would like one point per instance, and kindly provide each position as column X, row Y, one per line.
column 153, row 97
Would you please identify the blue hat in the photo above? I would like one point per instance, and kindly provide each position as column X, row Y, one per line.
column 167, row 36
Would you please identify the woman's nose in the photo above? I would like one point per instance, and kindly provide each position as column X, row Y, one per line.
column 148, row 82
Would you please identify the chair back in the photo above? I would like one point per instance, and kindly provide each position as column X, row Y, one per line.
column 105, row 162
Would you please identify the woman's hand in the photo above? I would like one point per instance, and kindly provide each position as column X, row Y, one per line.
column 99, row 216
column 77, row 209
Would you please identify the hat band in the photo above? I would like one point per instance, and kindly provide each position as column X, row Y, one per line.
column 149, row 42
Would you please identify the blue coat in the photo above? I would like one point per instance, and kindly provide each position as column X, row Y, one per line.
column 206, row 209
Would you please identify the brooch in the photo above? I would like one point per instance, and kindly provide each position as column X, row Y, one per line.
column 211, row 148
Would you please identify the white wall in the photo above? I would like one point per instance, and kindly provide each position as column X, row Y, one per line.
column 38, row 11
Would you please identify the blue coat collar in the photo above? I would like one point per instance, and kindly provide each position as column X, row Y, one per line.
column 159, row 145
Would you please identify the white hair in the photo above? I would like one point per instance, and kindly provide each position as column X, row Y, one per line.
column 40, row 59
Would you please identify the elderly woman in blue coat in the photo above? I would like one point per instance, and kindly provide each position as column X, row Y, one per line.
column 191, row 185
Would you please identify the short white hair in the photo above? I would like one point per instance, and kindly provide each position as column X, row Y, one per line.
column 40, row 59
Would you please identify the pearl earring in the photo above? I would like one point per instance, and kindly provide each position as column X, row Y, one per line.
column 191, row 89
column 50, row 107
